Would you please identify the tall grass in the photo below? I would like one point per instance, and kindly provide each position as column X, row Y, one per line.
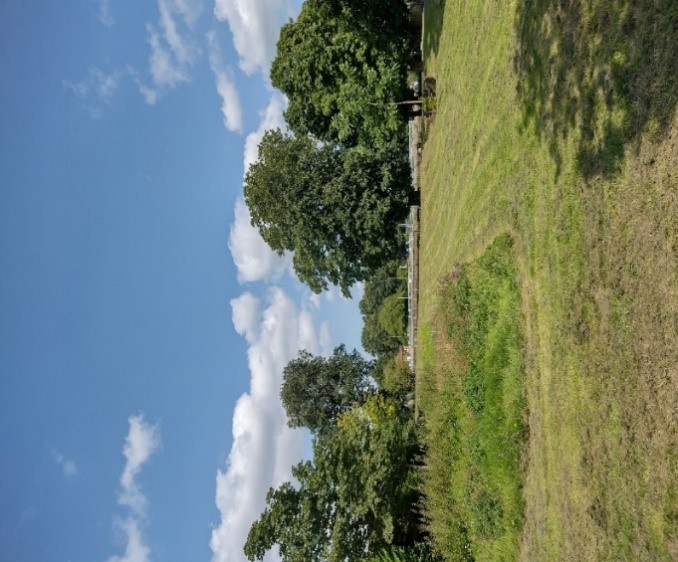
column 419, row 553
column 475, row 417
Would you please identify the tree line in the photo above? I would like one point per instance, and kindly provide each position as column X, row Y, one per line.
column 332, row 189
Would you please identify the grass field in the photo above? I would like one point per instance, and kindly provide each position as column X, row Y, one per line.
column 555, row 125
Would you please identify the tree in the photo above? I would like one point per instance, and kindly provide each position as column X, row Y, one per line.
column 335, row 208
column 398, row 378
column 291, row 520
column 342, row 67
column 375, row 340
column 384, row 282
column 353, row 499
column 393, row 317
column 316, row 390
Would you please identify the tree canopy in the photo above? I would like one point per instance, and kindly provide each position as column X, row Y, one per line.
column 316, row 390
column 342, row 66
column 352, row 500
column 335, row 208
column 393, row 316
column 386, row 281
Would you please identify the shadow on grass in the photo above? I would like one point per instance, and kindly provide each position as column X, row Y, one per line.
column 606, row 70
column 433, row 26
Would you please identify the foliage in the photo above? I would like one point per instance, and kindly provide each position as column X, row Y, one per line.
column 398, row 377
column 384, row 282
column 393, row 317
column 379, row 365
column 374, row 338
column 316, row 390
column 292, row 520
column 341, row 67
column 337, row 209
column 353, row 499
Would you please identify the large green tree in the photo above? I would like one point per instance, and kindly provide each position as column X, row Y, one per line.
column 342, row 67
column 393, row 316
column 386, row 281
column 375, row 340
column 316, row 390
column 353, row 499
column 335, row 208
column 293, row 520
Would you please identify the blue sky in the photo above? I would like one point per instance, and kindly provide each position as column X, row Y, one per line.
column 144, row 324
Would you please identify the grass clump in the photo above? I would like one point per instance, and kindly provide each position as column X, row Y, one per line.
column 422, row 552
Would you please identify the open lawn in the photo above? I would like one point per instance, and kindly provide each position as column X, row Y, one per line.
column 555, row 128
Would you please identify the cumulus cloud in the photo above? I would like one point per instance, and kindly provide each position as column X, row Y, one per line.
column 173, row 52
column 68, row 466
column 230, row 101
column 264, row 449
column 255, row 25
column 254, row 260
column 141, row 442
column 246, row 316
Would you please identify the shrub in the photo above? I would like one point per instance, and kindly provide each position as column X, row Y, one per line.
column 393, row 317
column 398, row 377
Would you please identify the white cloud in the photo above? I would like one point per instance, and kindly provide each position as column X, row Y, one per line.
column 316, row 300
column 254, row 260
column 264, row 448
column 190, row 10
column 165, row 70
column 246, row 316
column 173, row 52
column 141, row 442
column 104, row 14
column 325, row 339
column 135, row 548
column 184, row 50
column 271, row 118
column 98, row 84
column 68, row 466
column 255, row 25
column 230, row 102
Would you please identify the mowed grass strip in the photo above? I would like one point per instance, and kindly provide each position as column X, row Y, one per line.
column 556, row 122
column 475, row 435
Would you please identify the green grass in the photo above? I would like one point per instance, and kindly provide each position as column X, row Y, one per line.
column 475, row 436
column 556, row 123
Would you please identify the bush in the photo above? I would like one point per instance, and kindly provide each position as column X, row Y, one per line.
column 398, row 377
column 393, row 317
